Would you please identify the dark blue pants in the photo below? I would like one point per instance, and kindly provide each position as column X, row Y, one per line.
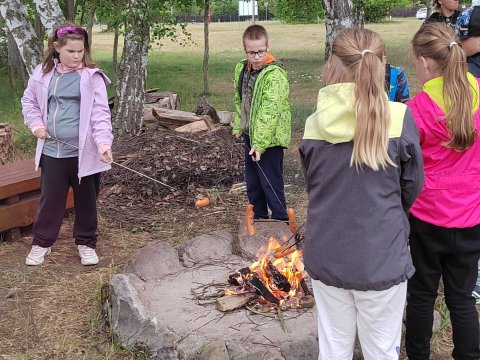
column 451, row 253
column 264, row 180
column 58, row 175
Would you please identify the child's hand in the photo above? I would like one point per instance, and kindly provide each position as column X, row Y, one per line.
column 41, row 134
column 254, row 154
column 107, row 156
column 238, row 136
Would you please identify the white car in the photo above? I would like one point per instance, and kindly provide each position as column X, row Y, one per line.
column 421, row 14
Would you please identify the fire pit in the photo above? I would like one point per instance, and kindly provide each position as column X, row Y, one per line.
column 278, row 283
column 169, row 301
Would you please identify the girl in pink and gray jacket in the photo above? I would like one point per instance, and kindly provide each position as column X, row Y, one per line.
column 445, row 218
column 65, row 105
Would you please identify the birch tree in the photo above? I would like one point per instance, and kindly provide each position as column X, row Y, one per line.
column 128, row 111
column 139, row 17
column 50, row 14
column 15, row 15
column 206, row 20
column 338, row 15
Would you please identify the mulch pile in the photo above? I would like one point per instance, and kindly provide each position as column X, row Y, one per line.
column 188, row 163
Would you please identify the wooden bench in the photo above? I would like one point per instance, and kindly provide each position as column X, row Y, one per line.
column 19, row 197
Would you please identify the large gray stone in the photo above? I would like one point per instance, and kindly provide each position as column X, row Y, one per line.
column 215, row 246
column 132, row 324
column 155, row 261
column 170, row 314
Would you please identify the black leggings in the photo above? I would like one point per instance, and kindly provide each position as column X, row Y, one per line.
column 450, row 253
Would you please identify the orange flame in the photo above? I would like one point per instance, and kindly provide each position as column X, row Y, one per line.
column 290, row 266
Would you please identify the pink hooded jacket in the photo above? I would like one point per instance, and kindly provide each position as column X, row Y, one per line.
column 451, row 193
column 95, row 128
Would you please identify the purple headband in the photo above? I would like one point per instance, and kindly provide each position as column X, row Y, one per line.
column 71, row 30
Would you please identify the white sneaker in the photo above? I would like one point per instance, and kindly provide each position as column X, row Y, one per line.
column 88, row 255
column 37, row 255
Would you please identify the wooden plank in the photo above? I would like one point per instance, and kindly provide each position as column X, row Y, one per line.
column 23, row 213
column 232, row 302
column 18, row 177
column 194, row 127
column 174, row 117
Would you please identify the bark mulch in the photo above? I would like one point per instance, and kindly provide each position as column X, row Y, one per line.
column 189, row 163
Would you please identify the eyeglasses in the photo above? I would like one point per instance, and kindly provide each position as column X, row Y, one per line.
column 260, row 53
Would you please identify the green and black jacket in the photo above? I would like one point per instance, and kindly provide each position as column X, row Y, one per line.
column 270, row 118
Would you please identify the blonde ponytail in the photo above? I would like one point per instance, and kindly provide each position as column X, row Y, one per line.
column 357, row 56
column 438, row 43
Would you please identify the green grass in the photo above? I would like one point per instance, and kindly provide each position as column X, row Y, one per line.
column 178, row 69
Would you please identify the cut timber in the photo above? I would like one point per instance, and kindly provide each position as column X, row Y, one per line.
column 194, row 127
column 175, row 117
column 204, row 108
column 167, row 98
column 226, row 117
column 232, row 302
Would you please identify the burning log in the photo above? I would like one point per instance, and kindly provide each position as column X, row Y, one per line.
column 237, row 278
column 280, row 281
column 304, row 286
column 262, row 290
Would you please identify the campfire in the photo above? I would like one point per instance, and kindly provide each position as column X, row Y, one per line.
column 278, row 283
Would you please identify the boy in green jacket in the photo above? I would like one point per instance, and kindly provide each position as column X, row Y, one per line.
column 263, row 119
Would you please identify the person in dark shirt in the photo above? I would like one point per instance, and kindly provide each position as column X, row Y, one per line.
column 468, row 30
column 396, row 84
column 446, row 11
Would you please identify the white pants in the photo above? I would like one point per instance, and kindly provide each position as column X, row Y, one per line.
column 376, row 315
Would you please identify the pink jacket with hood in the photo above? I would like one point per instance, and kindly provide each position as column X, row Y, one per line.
column 95, row 128
column 451, row 193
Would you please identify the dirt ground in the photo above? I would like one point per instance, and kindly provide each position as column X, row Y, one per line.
column 53, row 311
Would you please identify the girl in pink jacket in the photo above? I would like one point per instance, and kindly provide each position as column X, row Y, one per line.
column 65, row 105
column 445, row 218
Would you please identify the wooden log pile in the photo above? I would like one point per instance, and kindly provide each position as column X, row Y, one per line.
column 162, row 112
column 5, row 142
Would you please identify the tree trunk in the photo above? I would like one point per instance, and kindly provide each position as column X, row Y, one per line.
column 69, row 10
column 16, row 68
column 429, row 7
column 14, row 14
column 338, row 15
column 50, row 14
column 91, row 20
column 358, row 11
column 115, row 53
column 206, row 18
column 39, row 28
column 132, row 72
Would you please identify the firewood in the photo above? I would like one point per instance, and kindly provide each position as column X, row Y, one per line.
column 174, row 117
column 194, row 127
column 304, row 286
column 232, row 302
column 262, row 290
column 238, row 277
column 280, row 281
column 204, row 108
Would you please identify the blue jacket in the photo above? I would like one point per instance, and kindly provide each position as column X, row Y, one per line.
column 396, row 84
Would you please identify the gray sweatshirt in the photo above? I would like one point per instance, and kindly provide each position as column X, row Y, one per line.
column 357, row 225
